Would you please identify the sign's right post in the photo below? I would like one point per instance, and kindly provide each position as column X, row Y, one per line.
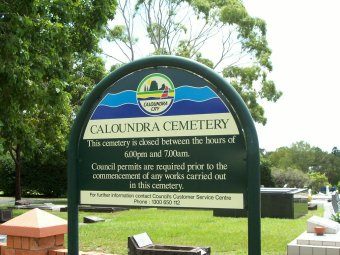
column 254, row 209
column 253, row 162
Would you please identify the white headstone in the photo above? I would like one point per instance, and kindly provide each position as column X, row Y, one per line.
column 331, row 226
column 142, row 240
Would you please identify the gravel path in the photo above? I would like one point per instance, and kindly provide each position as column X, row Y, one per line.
column 10, row 200
column 6, row 200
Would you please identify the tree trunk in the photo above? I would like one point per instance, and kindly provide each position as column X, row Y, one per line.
column 16, row 156
column 18, row 167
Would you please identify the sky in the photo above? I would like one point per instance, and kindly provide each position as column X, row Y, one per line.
column 304, row 36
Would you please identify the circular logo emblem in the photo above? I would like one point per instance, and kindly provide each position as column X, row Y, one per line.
column 155, row 94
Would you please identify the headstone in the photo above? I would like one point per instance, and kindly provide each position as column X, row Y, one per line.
column 328, row 210
column 92, row 219
column 22, row 202
column 5, row 215
column 332, row 227
column 312, row 207
column 336, row 202
column 141, row 244
column 142, row 240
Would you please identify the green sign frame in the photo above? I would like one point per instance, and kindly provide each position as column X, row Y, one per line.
column 252, row 195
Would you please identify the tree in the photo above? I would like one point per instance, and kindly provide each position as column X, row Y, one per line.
column 45, row 47
column 308, row 159
column 266, row 173
column 300, row 156
column 336, row 151
column 317, row 181
column 219, row 34
column 290, row 177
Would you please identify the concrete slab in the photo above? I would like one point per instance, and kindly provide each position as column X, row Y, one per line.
column 331, row 226
column 312, row 239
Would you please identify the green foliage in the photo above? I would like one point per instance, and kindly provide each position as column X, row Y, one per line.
column 323, row 167
column 299, row 156
column 48, row 50
column 43, row 178
column 338, row 186
column 306, row 158
column 245, row 79
column 336, row 217
column 336, row 151
column 205, row 61
column 233, row 12
column 290, row 177
column 47, row 178
column 240, row 39
column 7, row 181
column 89, row 71
column 317, row 181
column 266, row 173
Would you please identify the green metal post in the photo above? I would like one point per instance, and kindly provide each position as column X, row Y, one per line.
column 254, row 204
column 72, row 194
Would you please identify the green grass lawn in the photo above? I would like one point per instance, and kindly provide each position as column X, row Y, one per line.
column 185, row 227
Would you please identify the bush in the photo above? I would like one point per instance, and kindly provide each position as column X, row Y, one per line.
column 7, row 173
column 336, row 217
column 291, row 177
column 37, row 178
column 266, row 173
column 48, row 179
column 317, row 181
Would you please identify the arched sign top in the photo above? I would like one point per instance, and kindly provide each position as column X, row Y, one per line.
column 155, row 62
column 164, row 131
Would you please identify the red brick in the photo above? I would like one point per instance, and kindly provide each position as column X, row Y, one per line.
column 2, row 248
column 9, row 251
column 46, row 242
column 34, row 244
column 52, row 252
column 61, row 251
column 10, row 241
column 42, row 252
column 25, row 243
column 17, row 242
column 59, row 240
column 57, row 251
column 22, row 252
column 28, row 252
column 19, row 252
column 58, row 247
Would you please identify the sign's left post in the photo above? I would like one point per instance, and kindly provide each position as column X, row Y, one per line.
column 72, row 196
